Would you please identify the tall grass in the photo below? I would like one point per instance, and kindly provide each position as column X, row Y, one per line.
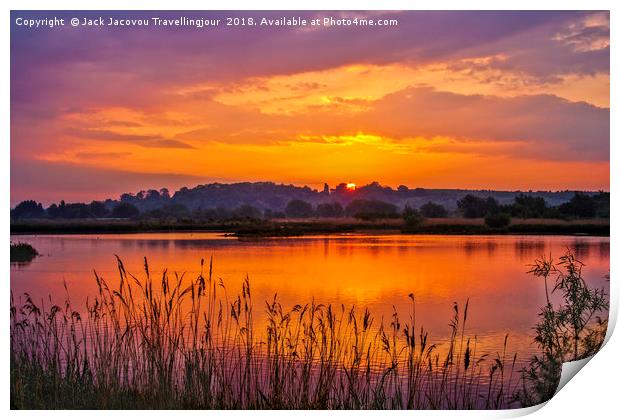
column 170, row 342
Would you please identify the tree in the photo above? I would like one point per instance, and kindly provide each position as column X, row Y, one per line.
column 53, row 211
column 127, row 197
column 527, row 206
column 97, row 209
column 341, row 188
column 298, row 209
column 125, row 211
column 69, row 211
column 152, row 195
column 581, row 205
column 602, row 200
column 474, row 207
column 164, row 193
column 28, row 209
column 433, row 210
column 412, row 217
column 329, row 210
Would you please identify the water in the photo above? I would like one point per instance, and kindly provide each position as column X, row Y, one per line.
column 373, row 271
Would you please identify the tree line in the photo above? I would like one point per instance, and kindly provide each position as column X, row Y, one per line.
column 525, row 206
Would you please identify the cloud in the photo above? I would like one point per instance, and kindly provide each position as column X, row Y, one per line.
column 46, row 62
column 101, row 155
column 590, row 33
column 139, row 139
column 555, row 128
column 578, row 45
column 41, row 180
column 544, row 126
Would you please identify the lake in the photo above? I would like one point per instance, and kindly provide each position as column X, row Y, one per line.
column 369, row 271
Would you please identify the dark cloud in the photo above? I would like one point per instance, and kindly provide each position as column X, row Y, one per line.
column 110, row 62
column 139, row 139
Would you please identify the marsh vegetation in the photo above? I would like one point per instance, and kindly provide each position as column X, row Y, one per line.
column 571, row 325
column 22, row 252
column 174, row 342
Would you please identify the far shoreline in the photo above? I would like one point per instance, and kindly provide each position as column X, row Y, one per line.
column 315, row 226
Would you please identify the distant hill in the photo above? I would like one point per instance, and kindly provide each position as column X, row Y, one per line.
column 267, row 200
column 268, row 195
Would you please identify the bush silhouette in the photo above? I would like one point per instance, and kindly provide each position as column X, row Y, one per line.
column 497, row 220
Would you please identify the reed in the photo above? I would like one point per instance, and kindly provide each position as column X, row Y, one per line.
column 170, row 342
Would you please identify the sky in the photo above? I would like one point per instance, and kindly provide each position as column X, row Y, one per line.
column 482, row 100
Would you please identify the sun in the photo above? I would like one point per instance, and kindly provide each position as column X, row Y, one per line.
column 351, row 186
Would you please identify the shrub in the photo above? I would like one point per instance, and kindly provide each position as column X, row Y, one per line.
column 23, row 252
column 497, row 220
column 565, row 330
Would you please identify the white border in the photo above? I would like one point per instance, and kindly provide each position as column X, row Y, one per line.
column 594, row 392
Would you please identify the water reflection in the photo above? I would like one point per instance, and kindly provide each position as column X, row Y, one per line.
column 603, row 250
column 581, row 249
column 374, row 271
column 20, row 264
column 529, row 249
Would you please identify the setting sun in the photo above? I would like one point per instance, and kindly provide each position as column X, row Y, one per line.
column 351, row 186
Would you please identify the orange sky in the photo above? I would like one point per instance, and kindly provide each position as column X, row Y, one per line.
column 519, row 103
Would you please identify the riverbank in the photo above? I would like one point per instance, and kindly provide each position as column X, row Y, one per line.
column 302, row 227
